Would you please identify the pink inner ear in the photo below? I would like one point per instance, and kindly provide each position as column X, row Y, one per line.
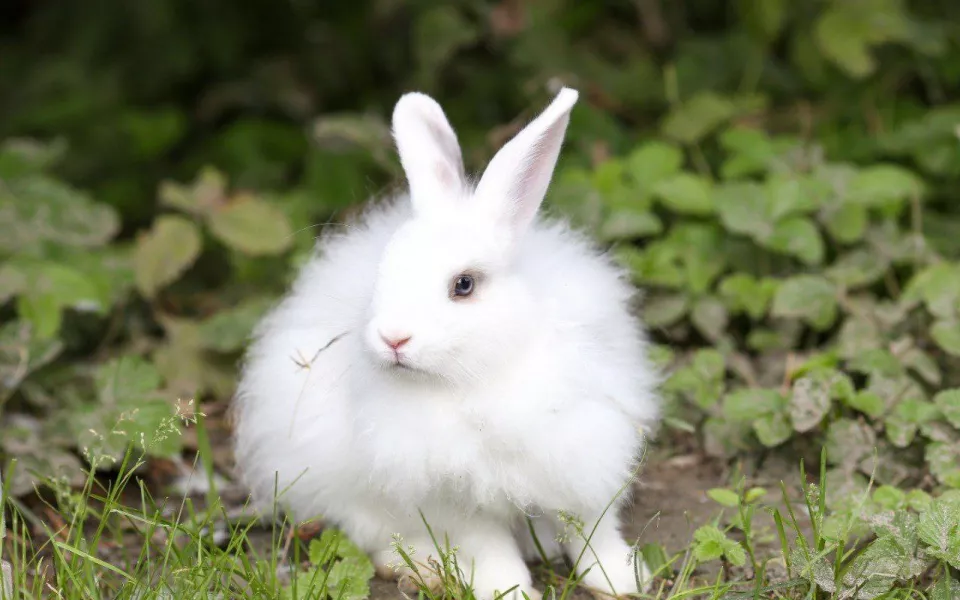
column 444, row 175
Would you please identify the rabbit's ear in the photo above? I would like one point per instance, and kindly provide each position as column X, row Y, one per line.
column 517, row 178
column 429, row 151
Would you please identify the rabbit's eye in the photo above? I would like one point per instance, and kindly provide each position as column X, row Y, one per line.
column 463, row 285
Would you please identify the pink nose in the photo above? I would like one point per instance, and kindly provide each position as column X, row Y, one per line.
column 395, row 342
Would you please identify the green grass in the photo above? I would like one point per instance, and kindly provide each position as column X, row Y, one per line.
column 97, row 543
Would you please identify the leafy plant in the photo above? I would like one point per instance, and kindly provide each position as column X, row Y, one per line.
column 337, row 566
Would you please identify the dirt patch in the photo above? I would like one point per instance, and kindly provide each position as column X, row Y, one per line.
column 670, row 500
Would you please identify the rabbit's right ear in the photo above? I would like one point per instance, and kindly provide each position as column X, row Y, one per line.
column 429, row 151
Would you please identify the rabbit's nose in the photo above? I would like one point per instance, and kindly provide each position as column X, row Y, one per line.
column 395, row 341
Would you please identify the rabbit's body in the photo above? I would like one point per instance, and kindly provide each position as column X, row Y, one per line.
column 546, row 417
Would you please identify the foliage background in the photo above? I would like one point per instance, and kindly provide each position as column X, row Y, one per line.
column 781, row 177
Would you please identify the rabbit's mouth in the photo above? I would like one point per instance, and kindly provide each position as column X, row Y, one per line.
column 400, row 365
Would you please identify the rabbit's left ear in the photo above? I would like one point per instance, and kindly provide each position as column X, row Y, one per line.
column 517, row 178
column 429, row 151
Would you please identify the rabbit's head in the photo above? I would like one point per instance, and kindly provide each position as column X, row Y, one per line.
column 448, row 301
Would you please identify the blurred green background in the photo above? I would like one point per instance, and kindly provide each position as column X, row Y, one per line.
column 781, row 177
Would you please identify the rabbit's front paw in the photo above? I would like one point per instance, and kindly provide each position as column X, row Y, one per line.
column 495, row 576
column 617, row 578
column 389, row 566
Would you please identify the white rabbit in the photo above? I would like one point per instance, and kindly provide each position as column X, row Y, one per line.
column 453, row 354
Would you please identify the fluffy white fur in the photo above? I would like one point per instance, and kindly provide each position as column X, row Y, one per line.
column 528, row 397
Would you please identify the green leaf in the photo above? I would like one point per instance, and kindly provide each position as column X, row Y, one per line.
column 781, row 337
column 734, row 553
column 665, row 310
column 724, row 497
column 349, row 579
column 608, row 178
column 808, row 297
column 948, row 402
column 947, row 335
column 889, row 497
column 899, row 432
column 798, row 237
column 939, row 528
column 708, row 543
column 849, row 441
column 814, row 569
column 919, row 500
column 916, row 410
column 943, row 458
column 742, row 208
column 574, row 195
column 126, row 380
column 858, row 335
column 876, row 361
column 751, row 149
column 22, row 352
column 700, row 250
column 868, row 403
column 39, row 455
column 626, row 224
column 652, row 162
column 884, row 184
column 847, row 223
column 810, row 400
column 190, row 371
column 901, row 426
column 43, row 314
column 12, row 282
column 656, row 265
column 252, row 226
column 323, row 550
column 857, row 269
column 165, row 252
column 697, row 117
column 874, row 571
column 690, row 257
column 773, row 429
column 686, row 193
column 229, row 330
column 207, row 192
column 130, row 410
column 36, row 210
column 702, row 381
column 844, row 36
column 923, row 364
column 938, row 286
column 346, row 578
column 751, row 403
column 945, row 589
column 743, row 293
column 48, row 287
column 821, row 364
column 710, row 317
column 790, row 195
